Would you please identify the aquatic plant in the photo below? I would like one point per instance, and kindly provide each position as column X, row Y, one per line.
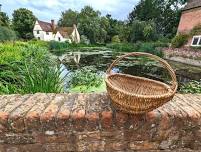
column 191, row 87
column 84, row 79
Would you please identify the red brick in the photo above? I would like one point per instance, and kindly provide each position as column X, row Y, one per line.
column 16, row 117
column 153, row 116
column 165, row 122
column 78, row 119
column 7, row 99
column 121, row 119
column 92, row 121
column 79, row 111
column 192, row 113
column 3, row 121
column 32, row 118
column 106, row 119
column 63, row 116
column 50, row 113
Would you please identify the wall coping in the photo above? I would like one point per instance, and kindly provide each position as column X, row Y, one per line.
column 88, row 122
column 40, row 111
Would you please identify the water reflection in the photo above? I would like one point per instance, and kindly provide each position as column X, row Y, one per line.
column 146, row 68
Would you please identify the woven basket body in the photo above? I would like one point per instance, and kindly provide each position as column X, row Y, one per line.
column 139, row 95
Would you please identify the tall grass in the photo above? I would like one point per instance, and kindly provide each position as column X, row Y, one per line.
column 37, row 78
column 32, row 72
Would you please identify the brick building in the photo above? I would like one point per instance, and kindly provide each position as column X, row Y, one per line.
column 191, row 17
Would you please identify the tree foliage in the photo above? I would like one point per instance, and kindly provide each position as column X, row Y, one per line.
column 68, row 18
column 23, row 22
column 6, row 34
column 165, row 14
column 96, row 28
column 92, row 25
column 115, row 39
column 143, row 31
column 4, row 20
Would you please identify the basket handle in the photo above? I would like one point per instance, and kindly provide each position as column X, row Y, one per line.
column 163, row 62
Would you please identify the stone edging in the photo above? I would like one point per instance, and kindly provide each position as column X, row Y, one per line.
column 88, row 122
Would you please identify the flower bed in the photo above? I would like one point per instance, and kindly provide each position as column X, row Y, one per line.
column 185, row 52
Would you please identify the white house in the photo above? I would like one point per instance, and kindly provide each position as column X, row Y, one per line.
column 48, row 31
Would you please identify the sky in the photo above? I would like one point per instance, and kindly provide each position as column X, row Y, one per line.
column 51, row 9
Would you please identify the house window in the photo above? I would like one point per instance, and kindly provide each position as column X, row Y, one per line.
column 47, row 33
column 59, row 38
column 196, row 41
column 38, row 38
column 38, row 32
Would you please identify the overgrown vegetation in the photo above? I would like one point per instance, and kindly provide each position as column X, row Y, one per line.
column 191, row 87
column 7, row 34
column 138, row 47
column 27, row 69
column 86, row 79
column 179, row 40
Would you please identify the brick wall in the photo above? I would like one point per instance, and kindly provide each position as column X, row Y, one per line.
column 189, row 19
column 88, row 122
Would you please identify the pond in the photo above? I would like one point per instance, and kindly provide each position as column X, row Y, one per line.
column 101, row 58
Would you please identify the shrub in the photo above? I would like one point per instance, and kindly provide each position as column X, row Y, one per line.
column 179, row 40
column 115, row 39
column 196, row 30
column 137, row 47
column 54, row 45
column 85, row 78
column 7, row 34
column 149, row 48
column 84, row 40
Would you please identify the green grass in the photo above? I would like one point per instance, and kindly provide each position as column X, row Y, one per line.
column 86, row 89
column 27, row 68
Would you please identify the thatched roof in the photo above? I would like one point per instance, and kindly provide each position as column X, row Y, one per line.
column 192, row 4
column 47, row 27
column 65, row 31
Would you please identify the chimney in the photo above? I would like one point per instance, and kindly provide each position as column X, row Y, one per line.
column 0, row 7
column 53, row 25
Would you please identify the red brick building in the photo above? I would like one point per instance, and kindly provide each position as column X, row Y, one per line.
column 191, row 17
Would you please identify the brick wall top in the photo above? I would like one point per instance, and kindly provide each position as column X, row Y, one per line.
column 80, row 112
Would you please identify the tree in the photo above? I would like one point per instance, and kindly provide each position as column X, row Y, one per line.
column 112, row 29
column 68, row 18
column 23, row 22
column 116, row 27
column 4, row 20
column 115, row 39
column 6, row 34
column 165, row 14
column 92, row 25
column 143, row 31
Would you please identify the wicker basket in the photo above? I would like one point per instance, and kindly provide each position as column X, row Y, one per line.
column 138, row 95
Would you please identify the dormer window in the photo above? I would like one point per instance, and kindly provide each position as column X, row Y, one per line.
column 47, row 33
column 196, row 41
column 38, row 32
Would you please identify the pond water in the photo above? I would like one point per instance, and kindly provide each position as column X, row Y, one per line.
column 101, row 58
